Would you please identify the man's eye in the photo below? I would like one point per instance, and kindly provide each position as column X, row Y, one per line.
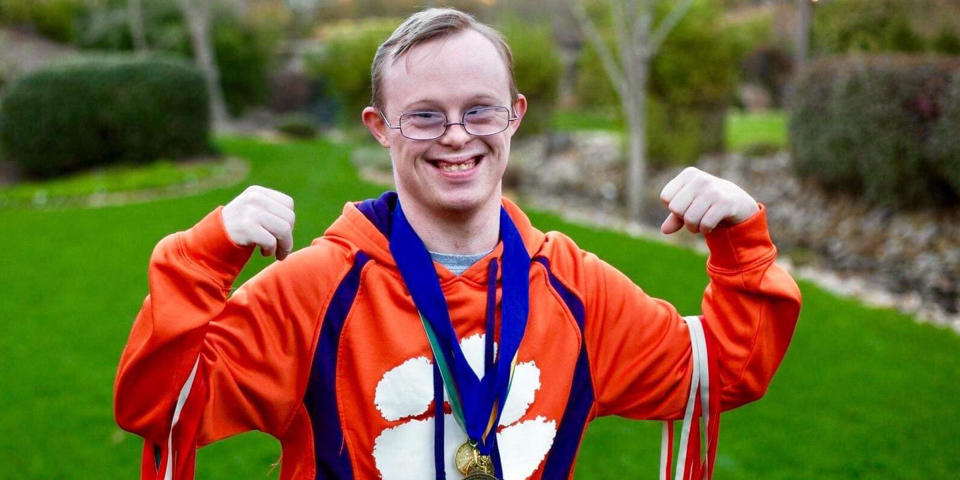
column 481, row 114
column 424, row 116
column 477, row 111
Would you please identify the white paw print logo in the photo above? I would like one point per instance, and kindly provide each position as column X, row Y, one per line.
column 406, row 451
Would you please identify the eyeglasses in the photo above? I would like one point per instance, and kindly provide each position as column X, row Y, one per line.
column 431, row 124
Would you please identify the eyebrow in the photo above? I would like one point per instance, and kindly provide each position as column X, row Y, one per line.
column 428, row 104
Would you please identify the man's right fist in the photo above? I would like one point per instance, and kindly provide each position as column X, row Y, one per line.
column 263, row 217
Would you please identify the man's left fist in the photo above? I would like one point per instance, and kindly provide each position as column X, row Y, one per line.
column 702, row 202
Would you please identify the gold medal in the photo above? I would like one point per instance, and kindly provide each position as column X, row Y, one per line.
column 470, row 463
column 467, row 454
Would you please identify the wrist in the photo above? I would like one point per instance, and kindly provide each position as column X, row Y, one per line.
column 208, row 245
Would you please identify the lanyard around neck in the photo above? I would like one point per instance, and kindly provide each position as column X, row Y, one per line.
column 480, row 401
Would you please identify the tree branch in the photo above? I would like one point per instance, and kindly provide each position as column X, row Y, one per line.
column 666, row 25
column 596, row 41
column 620, row 19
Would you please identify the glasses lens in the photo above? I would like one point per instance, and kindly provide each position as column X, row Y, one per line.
column 422, row 125
column 486, row 120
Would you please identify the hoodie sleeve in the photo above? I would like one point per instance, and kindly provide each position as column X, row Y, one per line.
column 640, row 348
column 200, row 364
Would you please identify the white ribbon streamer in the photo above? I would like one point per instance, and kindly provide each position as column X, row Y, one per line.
column 699, row 380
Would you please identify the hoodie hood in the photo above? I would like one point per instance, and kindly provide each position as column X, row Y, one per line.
column 366, row 226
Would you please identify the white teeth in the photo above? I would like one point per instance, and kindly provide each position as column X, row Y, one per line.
column 456, row 167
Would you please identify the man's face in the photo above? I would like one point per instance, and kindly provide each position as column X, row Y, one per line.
column 457, row 173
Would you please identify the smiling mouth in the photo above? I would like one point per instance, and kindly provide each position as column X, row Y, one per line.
column 458, row 166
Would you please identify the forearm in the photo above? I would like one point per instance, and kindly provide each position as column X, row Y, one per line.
column 750, row 308
column 190, row 276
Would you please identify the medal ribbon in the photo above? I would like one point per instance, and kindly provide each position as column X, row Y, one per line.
column 479, row 401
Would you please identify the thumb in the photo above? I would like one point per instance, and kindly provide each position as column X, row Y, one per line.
column 673, row 223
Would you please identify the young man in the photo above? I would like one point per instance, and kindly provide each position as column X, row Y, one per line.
column 434, row 332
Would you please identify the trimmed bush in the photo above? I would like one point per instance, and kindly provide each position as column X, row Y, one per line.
column 104, row 110
column 884, row 127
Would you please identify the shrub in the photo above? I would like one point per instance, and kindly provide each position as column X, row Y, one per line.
column 344, row 64
column 537, row 68
column 243, row 44
column 102, row 110
column 52, row 18
column 883, row 127
column 946, row 42
column 243, row 55
column 872, row 26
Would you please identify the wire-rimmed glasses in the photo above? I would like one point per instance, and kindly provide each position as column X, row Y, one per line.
column 431, row 124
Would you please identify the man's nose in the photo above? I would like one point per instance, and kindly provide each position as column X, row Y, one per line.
column 455, row 134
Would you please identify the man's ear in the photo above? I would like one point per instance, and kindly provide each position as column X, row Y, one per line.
column 374, row 122
column 519, row 109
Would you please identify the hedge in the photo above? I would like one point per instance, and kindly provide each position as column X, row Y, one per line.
column 884, row 127
column 102, row 110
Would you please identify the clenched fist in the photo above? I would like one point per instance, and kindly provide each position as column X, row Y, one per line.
column 701, row 202
column 262, row 217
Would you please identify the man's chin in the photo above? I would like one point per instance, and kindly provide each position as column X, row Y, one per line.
column 463, row 205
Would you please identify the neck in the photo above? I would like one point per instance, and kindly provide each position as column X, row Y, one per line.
column 461, row 233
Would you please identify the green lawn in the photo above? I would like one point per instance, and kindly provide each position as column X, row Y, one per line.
column 744, row 131
column 158, row 177
column 863, row 393
column 750, row 130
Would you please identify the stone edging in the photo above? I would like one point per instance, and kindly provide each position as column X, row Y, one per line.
column 850, row 286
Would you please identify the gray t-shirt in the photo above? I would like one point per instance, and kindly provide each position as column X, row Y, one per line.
column 457, row 263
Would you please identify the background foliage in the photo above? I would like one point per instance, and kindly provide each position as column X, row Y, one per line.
column 343, row 66
column 691, row 83
column 537, row 70
column 344, row 62
column 103, row 110
column 886, row 26
column 883, row 127
column 244, row 42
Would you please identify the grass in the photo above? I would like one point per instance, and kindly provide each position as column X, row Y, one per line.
column 759, row 131
column 76, row 188
column 746, row 130
column 863, row 393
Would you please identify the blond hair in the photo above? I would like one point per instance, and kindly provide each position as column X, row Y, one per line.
column 426, row 25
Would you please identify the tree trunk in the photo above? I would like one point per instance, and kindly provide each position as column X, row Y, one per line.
column 638, row 42
column 635, row 108
column 197, row 15
column 135, row 21
column 802, row 35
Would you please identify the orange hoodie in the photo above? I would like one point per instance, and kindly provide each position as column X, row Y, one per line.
column 326, row 351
